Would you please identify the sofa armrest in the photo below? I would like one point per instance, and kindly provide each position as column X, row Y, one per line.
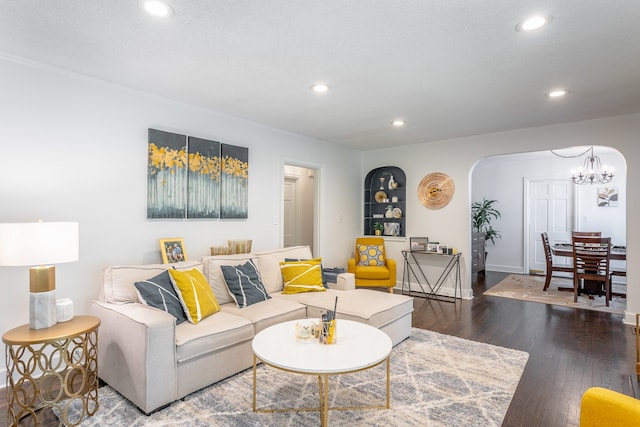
column 344, row 282
column 137, row 353
column 600, row 407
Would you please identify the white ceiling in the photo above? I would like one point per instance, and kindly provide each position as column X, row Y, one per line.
column 450, row 68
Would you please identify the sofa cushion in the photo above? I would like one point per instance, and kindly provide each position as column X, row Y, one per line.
column 375, row 308
column 371, row 255
column 195, row 294
column 244, row 283
column 302, row 276
column 158, row 292
column 267, row 313
column 213, row 273
column 218, row 331
column 118, row 281
column 269, row 264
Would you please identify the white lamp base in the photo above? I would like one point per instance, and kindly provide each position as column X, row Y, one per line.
column 42, row 309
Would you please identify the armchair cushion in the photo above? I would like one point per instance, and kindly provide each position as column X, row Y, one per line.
column 372, row 272
column 371, row 255
column 195, row 294
column 158, row 292
column 244, row 283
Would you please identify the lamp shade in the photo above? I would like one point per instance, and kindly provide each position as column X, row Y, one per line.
column 38, row 243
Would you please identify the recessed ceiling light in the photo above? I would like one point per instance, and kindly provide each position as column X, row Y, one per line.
column 320, row 87
column 398, row 122
column 158, row 8
column 533, row 23
column 557, row 93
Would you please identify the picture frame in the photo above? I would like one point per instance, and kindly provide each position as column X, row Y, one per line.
column 433, row 247
column 608, row 196
column 391, row 229
column 418, row 244
column 172, row 250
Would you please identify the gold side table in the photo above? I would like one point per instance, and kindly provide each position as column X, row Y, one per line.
column 52, row 367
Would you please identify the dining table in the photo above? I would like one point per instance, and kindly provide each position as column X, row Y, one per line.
column 618, row 253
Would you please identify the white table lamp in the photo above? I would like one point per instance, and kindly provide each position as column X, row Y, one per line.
column 38, row 244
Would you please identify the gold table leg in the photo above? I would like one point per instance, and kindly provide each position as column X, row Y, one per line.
column 323, row 391
column 638, row 344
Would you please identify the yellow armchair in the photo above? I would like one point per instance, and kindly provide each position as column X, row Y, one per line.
column 373, row 275
column 603, row 407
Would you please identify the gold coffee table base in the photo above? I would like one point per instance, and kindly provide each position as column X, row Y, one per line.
column 323, row 388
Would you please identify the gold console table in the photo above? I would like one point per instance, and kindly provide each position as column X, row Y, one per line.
column 52, row 368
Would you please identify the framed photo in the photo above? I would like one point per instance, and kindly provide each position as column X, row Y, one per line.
column 172, row 250
column 391, row 229
column 418, row 244
column 433, row 246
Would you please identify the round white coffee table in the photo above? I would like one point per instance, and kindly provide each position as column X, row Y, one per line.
column 359, row 347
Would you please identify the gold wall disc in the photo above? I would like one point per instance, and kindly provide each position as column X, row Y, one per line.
column 436, row 190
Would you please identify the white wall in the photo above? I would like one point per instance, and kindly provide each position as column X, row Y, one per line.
column 452, row 224
column 75, row 149
column 502, row 178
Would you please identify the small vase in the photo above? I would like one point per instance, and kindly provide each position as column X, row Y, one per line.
column 392, row 183
column 389, row 212
column 378, row 232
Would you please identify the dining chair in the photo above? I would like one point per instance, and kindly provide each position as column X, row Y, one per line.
column 586, row 233
column 591, row 261
column 549, row 259
column 619, row 273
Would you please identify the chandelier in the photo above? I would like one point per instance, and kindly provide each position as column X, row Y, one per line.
column 592, row 171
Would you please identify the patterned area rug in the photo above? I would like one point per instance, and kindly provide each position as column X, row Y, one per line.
column 529, row 288
column 436, row 380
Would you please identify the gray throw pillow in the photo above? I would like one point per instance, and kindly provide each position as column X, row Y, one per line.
column 244, row 283
column 158, row 292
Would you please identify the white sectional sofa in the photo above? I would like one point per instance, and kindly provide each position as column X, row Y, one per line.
column 152, row 361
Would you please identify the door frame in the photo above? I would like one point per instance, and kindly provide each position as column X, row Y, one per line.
column 294, row 180
column 318, row 211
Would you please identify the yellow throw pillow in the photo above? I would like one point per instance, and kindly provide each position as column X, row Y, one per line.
column 302, row 276
column 372, row 255
column 195, row 294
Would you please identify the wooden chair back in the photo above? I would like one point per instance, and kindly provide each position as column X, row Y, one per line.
column 586, row 233
column 548, row 255
column 591, row 261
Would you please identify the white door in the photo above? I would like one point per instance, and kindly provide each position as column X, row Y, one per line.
column 291, row 223
column 550, row 207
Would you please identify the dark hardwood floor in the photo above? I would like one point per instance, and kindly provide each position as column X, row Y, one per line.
column 569, row 350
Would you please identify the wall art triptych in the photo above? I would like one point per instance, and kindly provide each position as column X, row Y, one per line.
column 190, row 177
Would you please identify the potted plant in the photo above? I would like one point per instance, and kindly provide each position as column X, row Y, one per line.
column 482, row 214
column 377, row 229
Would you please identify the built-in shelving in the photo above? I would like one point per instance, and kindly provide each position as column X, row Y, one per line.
column 375, row 207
